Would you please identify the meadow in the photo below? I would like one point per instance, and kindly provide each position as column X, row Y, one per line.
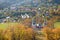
column 57, row 25
column 5, row 25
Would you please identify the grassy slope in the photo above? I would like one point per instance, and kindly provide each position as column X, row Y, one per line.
column 5, row 25
column 57, row 24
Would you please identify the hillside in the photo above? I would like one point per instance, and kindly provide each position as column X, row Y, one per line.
column 33, row 3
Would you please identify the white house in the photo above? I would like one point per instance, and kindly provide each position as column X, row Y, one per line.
column 25, row 16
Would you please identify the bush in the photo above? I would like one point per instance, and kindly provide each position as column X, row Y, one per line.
column 52, row 34
column 18, row 32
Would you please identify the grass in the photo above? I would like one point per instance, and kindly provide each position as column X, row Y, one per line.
column 57, row 25
column 5, row 25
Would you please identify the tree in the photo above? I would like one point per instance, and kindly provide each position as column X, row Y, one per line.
column 52, row 34
column 19, row 32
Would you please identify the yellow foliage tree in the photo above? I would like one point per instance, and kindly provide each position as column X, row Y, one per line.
column 19, row 32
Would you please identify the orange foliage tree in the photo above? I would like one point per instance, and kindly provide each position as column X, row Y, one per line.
column 19, row 32
column 27, row 22
column 52, row 34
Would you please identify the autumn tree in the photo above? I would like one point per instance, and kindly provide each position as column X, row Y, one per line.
column 19, row 32
column 52, row 34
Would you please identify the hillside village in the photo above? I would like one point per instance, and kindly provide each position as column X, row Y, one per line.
column 17, row 14
column 29, row 19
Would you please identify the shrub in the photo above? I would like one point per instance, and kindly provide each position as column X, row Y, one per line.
column 52, row 34
column 19, row 32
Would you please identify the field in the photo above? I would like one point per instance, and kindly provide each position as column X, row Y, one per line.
column 57, row 25
column 5, row 25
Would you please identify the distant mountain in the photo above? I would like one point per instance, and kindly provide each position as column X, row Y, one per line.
column 56, row 1
column 6, row 3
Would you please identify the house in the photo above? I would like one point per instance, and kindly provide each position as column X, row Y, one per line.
column 36, row 25
column 25, row 16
